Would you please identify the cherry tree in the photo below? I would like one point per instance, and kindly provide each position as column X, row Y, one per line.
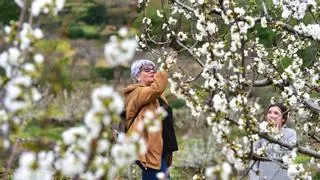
column 222, row 38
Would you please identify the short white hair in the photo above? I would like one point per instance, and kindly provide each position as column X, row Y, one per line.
column 136, row 66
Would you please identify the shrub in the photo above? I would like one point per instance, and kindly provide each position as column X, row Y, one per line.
column 177, row 103
column 96, row 14
column 8, row 11
column 75, row 31
column 105, row 73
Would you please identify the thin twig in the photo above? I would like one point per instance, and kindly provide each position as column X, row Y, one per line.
column 13, row 155
column 191, row 53
column 247, row 172
column 22, row 14
column 184, row 6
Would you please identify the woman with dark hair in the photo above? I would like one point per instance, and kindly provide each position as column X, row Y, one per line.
column 146, row 94
column 276, row 116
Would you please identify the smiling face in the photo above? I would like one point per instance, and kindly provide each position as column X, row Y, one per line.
column 274, row 115
column 146, row 75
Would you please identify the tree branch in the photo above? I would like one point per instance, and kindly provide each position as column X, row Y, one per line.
column 291, row 29
column 302, row 150
column 15, row 151
column 191, row 53
column 262, row 83
column 314, row 106
column 316, row 138
column 184, row 6
column 271, row 139
column 22, row 14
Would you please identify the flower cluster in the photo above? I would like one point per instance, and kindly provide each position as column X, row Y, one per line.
column 35, row 166
column 87, row 148
column 312, row 30
column 21, row 68
column 120, row 50
column 87, row 152
column 153, row 120
column 143, row 3
column 294, row 8
column 168, row 61
column 43, row 6
column 224, row 171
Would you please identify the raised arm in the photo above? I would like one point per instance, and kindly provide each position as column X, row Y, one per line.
column 150, row 93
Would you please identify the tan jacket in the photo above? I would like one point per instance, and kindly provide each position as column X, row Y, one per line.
column 136, row 96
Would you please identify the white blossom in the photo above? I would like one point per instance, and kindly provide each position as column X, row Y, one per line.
column 124, row 154
column 59, row 6
column 93, row 122
column 226, row 171
column 146, row 21
column 70, row 136
column 14, row 56
column 4, row 64
column 263, row 22
column 29, row 67
column 20, row 3
column 182, row 36
column 264, row 126
column 38, row 33
column 24, row 36
column 70, row 165
column 103, row 146
column 107, row 93
column 119, row 51
column 159, row 14
column 7, row 29
column 35, row 94
column 153, row 121
column 240, row 11
column 38, row 58
column 160, row 175
column 123, row 32
column 14, row 90
column 311, row 29
column 39, row 6
column 220, row 103
column 43, row 170
column 211, row 28
column 200, row 1
column 293, row 100
column 294, row 170
column 172, row 21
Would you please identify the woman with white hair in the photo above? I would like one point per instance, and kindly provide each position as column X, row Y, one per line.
column 146, row 94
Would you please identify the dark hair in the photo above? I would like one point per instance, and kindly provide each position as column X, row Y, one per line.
column 283, row 108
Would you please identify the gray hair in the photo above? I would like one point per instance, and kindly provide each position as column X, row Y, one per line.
column 136, row 66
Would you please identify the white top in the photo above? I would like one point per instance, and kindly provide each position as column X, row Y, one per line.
column 272, row 170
